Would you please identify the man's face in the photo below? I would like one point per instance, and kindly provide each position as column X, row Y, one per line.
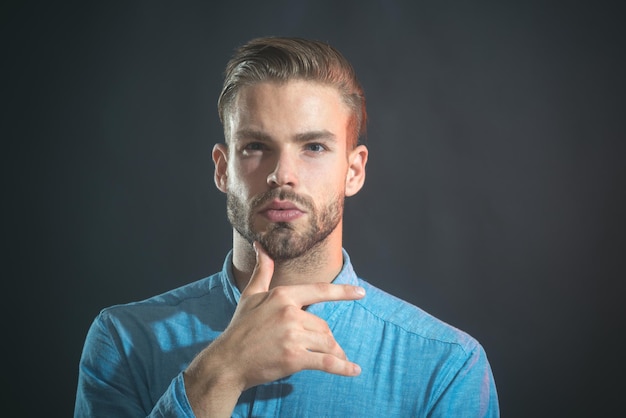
column 287, row 165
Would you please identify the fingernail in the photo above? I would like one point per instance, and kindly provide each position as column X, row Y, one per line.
column 359, row 291
column 357, row 369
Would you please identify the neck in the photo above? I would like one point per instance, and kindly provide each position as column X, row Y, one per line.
column 320, row 264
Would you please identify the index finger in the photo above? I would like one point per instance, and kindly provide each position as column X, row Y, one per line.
column 308, row 294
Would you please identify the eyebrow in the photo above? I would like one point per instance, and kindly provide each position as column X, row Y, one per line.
column 316, row 135
column 320, row 135
column 252, row 134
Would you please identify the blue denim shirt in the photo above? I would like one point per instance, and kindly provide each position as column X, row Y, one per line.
column 413, row 365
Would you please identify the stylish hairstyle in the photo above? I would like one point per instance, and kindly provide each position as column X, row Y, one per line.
column 282, row 59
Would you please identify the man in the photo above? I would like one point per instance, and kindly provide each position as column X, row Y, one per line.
column 286, row 328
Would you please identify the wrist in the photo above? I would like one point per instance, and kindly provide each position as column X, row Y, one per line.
column 211, row 385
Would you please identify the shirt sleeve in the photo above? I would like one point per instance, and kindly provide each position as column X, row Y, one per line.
column 107, row 388
column 471, row 392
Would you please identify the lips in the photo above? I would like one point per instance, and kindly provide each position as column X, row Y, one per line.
column 281, row 211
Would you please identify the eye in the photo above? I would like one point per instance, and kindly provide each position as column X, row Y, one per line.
column 253, row 146
column 315, row 147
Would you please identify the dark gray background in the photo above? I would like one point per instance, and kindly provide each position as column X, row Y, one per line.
column 494, row 197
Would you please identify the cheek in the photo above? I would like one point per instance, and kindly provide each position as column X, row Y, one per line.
column 327, row 185
column 245, row 179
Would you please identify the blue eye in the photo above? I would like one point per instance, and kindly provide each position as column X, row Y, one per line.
column 315, row 147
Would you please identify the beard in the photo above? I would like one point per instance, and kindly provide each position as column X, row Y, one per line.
column 282, row 240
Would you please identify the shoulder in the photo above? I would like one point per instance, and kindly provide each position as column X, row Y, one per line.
column 411, row 320
column 183, row 298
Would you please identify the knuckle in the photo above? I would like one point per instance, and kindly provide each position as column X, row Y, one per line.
column 348, row 290
column 289, row 313
column 291, row 358
column 329, row 362
column 325, row 328
column 290, row 336
column 331, row 344
column 321, row 287
column 321, row 326
column 280, row 294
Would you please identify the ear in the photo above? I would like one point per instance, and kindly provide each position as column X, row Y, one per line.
column 220, row 159
column 357, row 159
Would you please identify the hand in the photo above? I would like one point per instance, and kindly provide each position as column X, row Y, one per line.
column 270, row 336
column 273, row 337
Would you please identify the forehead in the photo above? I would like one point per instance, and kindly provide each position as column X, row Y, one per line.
column 288, row 108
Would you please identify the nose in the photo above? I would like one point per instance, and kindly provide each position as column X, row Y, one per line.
column 284, row 172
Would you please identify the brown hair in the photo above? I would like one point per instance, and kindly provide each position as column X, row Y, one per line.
column 281, row 59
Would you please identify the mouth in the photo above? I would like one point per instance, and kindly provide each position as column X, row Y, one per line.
column 281, row 211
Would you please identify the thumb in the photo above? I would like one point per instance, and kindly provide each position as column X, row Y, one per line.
column 262, row 274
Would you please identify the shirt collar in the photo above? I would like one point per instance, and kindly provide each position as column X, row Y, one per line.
column 324, row 310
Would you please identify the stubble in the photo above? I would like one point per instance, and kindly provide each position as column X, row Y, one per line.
column 282, row 240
